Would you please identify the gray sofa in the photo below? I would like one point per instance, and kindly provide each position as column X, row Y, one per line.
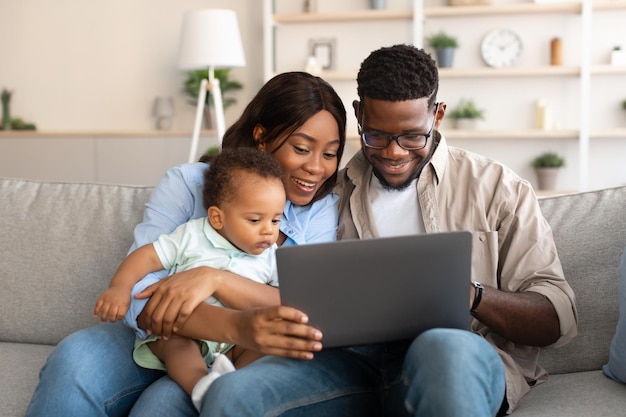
column 61, row 242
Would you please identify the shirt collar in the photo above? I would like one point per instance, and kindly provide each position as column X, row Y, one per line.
column 439, row 160
column 215, row 238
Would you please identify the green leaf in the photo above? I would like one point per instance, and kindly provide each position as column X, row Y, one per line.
column 548, row 160
column 467, row 109
column 191, row 86
column 442, row 40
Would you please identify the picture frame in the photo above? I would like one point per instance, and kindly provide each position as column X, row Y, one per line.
column 323, row 50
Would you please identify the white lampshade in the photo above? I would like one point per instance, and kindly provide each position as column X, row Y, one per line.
column 210, row 38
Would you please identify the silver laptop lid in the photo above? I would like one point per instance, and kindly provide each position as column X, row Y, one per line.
column 379, row 290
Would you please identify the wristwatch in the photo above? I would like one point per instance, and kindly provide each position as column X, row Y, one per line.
column 478, row 295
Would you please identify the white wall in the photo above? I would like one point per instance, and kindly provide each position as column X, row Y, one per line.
column 80, row 65
column 97, row 65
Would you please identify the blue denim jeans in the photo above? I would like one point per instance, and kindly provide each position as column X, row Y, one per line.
column 92, row 373
column 443, row 372
column 616, row 367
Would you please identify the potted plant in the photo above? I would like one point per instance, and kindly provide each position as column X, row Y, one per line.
column 6, row 109
column 547, row 166
column 192, row 87
column 444, row 46
column 466, row 114
column 618, row 56
column 9, row 122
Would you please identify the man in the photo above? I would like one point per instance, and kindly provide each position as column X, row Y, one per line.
column 407, row 180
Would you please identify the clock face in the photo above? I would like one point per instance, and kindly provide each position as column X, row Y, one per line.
column 501, row 48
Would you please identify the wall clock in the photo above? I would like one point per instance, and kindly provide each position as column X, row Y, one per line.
column 501, row 48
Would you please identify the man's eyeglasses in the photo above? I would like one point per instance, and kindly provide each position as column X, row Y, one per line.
column 407, row 141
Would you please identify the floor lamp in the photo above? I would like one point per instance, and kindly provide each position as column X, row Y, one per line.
column 209, row 39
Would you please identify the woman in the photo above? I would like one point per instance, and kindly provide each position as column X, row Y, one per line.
column 300, row 120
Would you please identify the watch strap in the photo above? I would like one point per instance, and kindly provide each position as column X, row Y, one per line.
column 478, row 295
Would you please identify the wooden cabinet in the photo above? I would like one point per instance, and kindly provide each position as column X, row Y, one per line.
column 135, row 158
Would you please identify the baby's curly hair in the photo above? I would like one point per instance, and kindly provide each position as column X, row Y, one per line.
column 398, row 73
column 222, row 178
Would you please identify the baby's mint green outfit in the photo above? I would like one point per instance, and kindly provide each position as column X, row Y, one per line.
column 195, row 244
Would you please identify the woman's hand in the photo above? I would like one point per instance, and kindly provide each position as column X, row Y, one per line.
column 274, row 330
column 174, row 298
column 277, row 330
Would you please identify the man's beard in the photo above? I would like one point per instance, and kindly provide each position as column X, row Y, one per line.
column 415, row 174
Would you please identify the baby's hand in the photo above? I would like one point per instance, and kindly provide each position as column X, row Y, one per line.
column 113, row 304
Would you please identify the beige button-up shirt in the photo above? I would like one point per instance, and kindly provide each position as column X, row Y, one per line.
column 513, row 248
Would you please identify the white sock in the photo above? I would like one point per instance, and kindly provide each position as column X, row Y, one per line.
column 221, row 365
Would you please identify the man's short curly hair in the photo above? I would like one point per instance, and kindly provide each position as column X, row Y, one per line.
column 223, row 176
column 398, row 73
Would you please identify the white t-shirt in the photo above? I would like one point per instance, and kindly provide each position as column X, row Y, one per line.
column 396, row 212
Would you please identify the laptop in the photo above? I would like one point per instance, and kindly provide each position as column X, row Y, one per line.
column 379, row 290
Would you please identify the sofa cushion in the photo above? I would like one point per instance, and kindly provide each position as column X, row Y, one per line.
column 19, row 381
column 590, row 232
column 577, row 394
column 56, row 230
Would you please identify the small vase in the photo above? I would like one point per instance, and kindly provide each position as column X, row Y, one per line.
column 465, row 123
column 546, row 178
column 378, row 4
column 445, row 57
column 618, row 58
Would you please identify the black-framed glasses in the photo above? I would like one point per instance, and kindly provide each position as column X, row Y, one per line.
column 407, row 141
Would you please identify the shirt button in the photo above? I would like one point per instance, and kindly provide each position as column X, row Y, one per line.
column 482, row 237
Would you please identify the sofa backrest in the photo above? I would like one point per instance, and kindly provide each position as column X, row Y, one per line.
column 60, row 245
column 590, row 233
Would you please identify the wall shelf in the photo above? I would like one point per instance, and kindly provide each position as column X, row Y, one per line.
column 349, row 16
column 609, row 5
column 616, row 133
column 71, row 134
column 511, row 134
column 444, row 11
column 489, row 72
column 502, row 9
column 608, row 69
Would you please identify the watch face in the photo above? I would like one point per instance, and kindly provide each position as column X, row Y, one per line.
column 500, row 48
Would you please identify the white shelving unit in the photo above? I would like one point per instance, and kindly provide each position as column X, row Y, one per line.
column 578, row 73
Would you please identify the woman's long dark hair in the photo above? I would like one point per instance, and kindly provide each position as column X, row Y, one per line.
column 283, row 105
